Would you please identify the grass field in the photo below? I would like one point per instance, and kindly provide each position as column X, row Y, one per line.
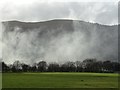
column 60, row 80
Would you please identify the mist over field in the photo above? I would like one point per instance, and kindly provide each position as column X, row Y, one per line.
column 58, row 41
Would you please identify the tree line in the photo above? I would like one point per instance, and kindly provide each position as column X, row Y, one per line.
column 88, row 65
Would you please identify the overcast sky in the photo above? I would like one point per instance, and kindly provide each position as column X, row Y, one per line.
column 39, row 10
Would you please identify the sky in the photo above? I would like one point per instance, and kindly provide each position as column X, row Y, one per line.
column 102, row 11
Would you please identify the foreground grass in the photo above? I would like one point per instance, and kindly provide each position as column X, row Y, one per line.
column 60, row 80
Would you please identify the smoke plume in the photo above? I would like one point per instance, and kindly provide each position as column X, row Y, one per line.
column 58, row 41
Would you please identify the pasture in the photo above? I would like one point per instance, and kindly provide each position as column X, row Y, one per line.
column 60, row 80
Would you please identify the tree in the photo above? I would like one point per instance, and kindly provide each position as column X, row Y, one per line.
column 42, row 65
column 79, row 67
column 115, row 66
column 17, row 66
column 107, row 66
column 25, row 67
column 89, row 65
column 53, row 67
column 68, row 67
column 5, row 68
column 0, row 66
column 34, row 67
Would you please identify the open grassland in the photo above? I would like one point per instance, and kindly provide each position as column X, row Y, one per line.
column 60, row 80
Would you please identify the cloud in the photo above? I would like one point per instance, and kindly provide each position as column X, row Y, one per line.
column 99, row 12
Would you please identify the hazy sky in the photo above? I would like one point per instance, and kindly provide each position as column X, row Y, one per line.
column 104, row 12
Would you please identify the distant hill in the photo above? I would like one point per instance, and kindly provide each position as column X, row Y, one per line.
column 59, row 40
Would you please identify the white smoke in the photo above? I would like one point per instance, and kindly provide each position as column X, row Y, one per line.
column 0, row 40
column 59, row 45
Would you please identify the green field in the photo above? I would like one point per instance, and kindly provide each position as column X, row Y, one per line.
column 60, row 80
